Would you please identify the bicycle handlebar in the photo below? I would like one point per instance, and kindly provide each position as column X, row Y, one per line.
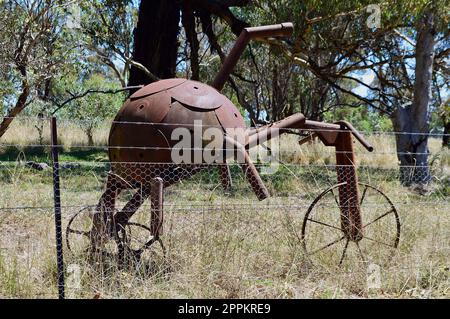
column 357, row 135
column 276, row 30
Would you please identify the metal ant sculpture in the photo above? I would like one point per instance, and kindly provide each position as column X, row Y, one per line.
column 140, row 148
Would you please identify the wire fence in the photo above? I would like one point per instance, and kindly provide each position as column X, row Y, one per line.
column 207, row 230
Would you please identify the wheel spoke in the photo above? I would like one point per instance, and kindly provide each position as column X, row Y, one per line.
column 131, row 238
column 343, row 253
column 324, row 224
column 360, row 251
column 327, row 245
column 363, row 196
column 79, row 232
column 379, row 242
column 378, row 218
column 336, row 199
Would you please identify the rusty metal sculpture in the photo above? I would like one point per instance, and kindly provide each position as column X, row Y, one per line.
column 140, row 153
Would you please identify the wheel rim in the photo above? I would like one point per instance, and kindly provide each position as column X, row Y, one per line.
column 78, row 236
column 142, row 250
column 326, row 245
column 78, row 230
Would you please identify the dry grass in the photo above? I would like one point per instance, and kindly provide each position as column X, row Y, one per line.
column 23, row 132
column 226, row 245
column 384, row 154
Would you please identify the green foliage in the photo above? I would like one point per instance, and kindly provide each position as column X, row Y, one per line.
column 330, row 35
column 52, row 59
column 336, row 45
column 34, row 45
column 107, row 31
column 362, row 118
column 93, row 109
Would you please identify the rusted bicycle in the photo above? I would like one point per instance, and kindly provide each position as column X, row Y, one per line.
column 140, row 148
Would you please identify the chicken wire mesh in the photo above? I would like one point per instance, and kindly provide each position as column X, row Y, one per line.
column 223, row 242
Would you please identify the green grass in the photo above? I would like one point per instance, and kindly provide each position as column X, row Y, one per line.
column 43, row 154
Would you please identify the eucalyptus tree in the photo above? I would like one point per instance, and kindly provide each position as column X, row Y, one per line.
column 33, row 45
column 403, row 44
column 335, row 46
column 159, row 28
column 106, row 32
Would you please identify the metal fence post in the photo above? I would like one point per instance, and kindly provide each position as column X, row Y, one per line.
column 57, row 200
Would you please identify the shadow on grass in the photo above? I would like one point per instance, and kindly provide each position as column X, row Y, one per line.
column 43, row 154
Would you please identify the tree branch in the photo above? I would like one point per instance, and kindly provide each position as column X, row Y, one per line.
column 188, row 21
column 75, row 96
column 221, row 9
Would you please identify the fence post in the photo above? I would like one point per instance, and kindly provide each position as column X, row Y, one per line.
column 57, row 201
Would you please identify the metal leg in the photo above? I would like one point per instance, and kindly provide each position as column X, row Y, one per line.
column 351, row 220
column 225, row 176
column 113, row 190
column 157, row 201
column 249, row 169
column 122, row 217
column 104, row 212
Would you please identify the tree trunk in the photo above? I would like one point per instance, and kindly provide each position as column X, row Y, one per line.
column 90, row 136
column 20, row 105
column 446, row 136
column 413, row 121
column 155, row 40
column 188, row 21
